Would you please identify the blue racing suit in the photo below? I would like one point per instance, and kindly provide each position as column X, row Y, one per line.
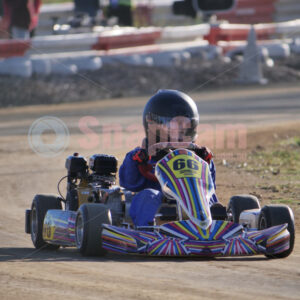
column 147, row 201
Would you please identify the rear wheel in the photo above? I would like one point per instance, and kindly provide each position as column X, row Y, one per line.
column 88, row 228
column 239, row 203
column 40, row 205
column 272, row 215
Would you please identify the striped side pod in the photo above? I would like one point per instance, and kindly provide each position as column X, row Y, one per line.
column 59, row 227
column 118, row 240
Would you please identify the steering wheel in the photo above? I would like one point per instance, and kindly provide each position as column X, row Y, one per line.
column 159, row 150
column 154, row 149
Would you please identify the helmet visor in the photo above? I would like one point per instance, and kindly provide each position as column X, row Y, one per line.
column 165, row 129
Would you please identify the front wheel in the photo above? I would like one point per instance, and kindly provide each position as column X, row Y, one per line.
column 40, row 205
column 88, row 228
column 237, row 204
column 272, row 215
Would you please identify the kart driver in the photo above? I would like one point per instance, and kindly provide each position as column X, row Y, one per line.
column 169, row 116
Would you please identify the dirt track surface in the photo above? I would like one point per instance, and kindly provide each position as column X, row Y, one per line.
column 29, row 274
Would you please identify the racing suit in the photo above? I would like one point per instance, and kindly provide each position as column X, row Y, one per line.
column 149, row 197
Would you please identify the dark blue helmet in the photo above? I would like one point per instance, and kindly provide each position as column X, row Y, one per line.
column 170, row 116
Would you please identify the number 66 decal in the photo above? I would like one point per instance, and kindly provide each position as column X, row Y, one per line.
column 181, row 163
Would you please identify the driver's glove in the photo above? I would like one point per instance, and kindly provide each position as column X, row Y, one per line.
column 204, row 153
column 141, row 157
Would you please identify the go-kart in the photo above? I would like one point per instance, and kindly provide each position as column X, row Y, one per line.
column 96, row 215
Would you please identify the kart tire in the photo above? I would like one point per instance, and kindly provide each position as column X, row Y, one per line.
column 88, row 228
column 239, row 203
column 40, row 205
column 272, row 215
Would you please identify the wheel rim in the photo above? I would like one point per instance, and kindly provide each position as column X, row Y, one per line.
column 230, row 214
column 79, row 231
column 263, row 223
column 34, row 224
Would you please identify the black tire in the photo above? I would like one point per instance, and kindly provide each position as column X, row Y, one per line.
column 239, row 203
column 272, row 215
column 88, row 228
column 40, row 205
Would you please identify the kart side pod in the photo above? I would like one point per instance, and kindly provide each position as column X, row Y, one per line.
column 59, row 227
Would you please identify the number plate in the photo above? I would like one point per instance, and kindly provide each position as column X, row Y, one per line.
column 185, row 166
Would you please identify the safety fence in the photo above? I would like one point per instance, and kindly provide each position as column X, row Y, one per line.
column 11, row 48
column 124, row 44
column 105, row 38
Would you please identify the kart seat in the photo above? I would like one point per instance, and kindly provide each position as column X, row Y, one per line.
column 167, row 212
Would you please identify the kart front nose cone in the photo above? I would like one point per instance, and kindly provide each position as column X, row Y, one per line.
column 205, row 224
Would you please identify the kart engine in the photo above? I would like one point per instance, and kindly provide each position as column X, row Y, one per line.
column 94, row 183
column 104, row 169
column 76, row 166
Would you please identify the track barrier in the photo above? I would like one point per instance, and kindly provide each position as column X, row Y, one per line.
column 165, row 44
column 11, row 48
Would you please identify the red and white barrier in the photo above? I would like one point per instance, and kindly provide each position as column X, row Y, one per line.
column 238, row 32
column 122, row 42
column 121, row 38
column 12, row 48
column 288, row 28
column 114, row 38
column 250, row 12
column 105, row 38
column 151, row 55
column 57, row 43
column 16, row 66
column 191, row 32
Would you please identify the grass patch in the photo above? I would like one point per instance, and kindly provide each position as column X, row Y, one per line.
column 283, row 157
column 278, row 169
column 294, row 141
column 297, row 141
column 284, row 201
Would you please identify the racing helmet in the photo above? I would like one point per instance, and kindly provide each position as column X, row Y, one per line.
column 170, row 116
